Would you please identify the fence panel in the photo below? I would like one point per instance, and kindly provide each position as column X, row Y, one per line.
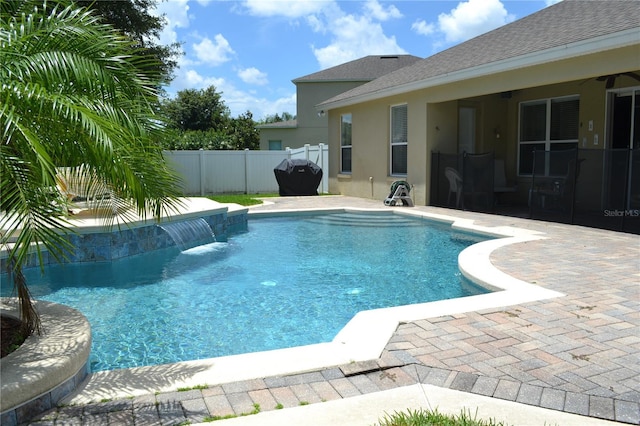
column 260, row 165
column 215, row 172
column 553, row 185
column 224, row 172
column 446, row 180
column 188, row 166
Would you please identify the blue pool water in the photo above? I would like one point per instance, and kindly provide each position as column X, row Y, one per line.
column 286, row 282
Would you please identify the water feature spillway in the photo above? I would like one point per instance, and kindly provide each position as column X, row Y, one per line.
column 189, row 233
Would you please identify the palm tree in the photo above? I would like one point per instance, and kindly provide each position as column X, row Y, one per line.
column 74, row 93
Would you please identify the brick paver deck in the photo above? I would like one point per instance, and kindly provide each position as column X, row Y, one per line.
column 578, row 353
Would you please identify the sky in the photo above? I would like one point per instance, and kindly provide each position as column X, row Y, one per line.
column 251, row 50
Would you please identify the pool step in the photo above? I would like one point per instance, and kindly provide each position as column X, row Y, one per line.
column 366, row 220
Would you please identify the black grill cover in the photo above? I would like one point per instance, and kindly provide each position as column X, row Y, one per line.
column 298, row 177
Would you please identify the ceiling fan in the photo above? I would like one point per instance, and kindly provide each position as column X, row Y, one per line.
column 611, row 79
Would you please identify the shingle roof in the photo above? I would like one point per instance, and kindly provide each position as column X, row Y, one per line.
column 279, row 125
column 566, row 22
column 363, row 69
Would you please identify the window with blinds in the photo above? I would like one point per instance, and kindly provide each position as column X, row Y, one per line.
column 398, row 140
column 345, row 143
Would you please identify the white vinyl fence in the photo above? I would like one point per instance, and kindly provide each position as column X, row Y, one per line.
column 250, row 172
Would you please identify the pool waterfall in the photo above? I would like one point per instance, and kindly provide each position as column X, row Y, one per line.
column 189, row 233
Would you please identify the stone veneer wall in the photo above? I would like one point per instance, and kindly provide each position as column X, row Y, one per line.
column 27, row 411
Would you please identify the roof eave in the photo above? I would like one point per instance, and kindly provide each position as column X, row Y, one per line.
column 335, row 80
column 276, row 126
column 580, row 48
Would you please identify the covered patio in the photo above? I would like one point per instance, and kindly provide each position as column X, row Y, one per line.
column 590, row 187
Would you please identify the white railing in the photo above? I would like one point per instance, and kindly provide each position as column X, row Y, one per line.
column 250, row 172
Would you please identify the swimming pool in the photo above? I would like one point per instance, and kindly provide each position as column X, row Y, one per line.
column 287, row 282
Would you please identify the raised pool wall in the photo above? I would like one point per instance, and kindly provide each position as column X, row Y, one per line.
column 47, row 367
column 95, row 242
column 31, row 386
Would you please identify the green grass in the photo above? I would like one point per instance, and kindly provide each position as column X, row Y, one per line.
column 242, row 199
column 197, row 387
column 209, row 419
column 434, row 418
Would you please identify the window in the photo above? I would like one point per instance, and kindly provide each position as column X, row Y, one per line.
column 275, row 145
column 345, row 143
column 547, row 125
column 399, row 140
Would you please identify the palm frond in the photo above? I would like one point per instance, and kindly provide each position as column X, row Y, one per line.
column 74, row 93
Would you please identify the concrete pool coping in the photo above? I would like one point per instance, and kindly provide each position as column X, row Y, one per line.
column 362, row 339
column 47, row 366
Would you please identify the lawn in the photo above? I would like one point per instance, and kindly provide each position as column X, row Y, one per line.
column 242, row 199
column 424, row 417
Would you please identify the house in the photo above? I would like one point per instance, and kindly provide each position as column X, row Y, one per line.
column 564, row 79
column 310, row 126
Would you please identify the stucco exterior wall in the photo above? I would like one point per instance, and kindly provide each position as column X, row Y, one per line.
column 369, row 152
column 293, row 137
column 312, row 126
column 433, row 120
column 286, row 135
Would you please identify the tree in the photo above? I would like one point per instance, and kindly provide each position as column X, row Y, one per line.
column 286, row 116
column 201, row 120
column 243, row 132
column 132, row 17
column 74, row 92
column 197, row 110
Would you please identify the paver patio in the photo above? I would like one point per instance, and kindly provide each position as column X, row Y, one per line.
column 578, row 354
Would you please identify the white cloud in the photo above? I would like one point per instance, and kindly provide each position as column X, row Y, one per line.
column 348, row 36
column 176, row 12
column 253, row 76
column 422, row 28
column 354, row 36
column 238, row 101
column 472, row 18
column 552, row 2
column 316, row 24
column 377, row 11
column 215, row 52
column 188, row 78
column 287, row 8
column 260, row 108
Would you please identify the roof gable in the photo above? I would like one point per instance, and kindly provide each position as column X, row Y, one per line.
column 363, row 69
column 566, row 22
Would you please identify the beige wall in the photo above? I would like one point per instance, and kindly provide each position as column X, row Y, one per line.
column 433, row 119
column 287, row 136
column 293, row 137
column 370, row 152
column 311, row 94
column 312, row 126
